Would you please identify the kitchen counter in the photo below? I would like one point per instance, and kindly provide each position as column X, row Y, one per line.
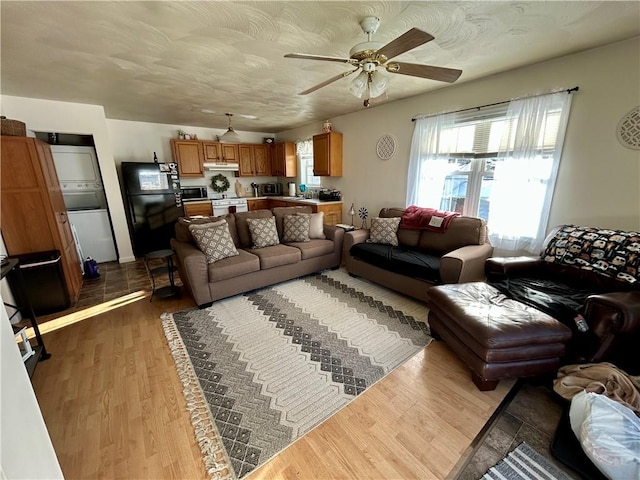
column 307, row 201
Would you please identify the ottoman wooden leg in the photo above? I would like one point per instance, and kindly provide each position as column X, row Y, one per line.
column 483, row 384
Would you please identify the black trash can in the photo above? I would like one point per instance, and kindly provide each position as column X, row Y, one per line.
column 43, row 282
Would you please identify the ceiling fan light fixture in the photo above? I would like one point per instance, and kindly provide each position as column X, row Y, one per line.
column 378, row 85
column 359, row 85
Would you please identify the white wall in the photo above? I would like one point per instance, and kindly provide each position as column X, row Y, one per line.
column 26, row 450
column 599, row 179
column 136, row 142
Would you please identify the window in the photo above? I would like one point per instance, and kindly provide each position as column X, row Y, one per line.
column 304, row 150
column 498, row 163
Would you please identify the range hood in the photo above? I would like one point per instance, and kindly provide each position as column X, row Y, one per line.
column 225, row 167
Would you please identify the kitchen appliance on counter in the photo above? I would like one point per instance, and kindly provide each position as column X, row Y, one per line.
column 191, row 194
column 269, row 189
column 222, row 206
column 153, row 203
column 330, row 195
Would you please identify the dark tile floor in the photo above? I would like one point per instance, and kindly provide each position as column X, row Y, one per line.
column 116, row 280
column 531, row 416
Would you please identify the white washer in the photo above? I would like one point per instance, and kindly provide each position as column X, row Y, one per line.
column 94, row 234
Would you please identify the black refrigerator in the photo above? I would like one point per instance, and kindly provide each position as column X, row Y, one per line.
column 153, row 204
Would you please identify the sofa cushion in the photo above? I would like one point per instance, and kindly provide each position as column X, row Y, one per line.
column 263, row 232
column 383, row 230
column 462, row 231
column 214, row 240
column 277, row 255
column 184, row 235
column 280, row 212
column 296, row 228
column 244, row 235
column 406, row 237
column 314, row 248
column 405, row 261
column 231, row 267
column 316, row 225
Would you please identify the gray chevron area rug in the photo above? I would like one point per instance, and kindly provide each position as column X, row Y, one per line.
column 261, row 369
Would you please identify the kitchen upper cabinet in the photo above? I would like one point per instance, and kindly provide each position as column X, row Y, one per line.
column 327, row 155
column 34, row 216
column 212, row 152
column 229, row 152
column 189, row 156
column 254, row 160
column 284, row 161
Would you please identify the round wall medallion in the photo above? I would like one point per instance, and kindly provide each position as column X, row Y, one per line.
column 386, row 147
column 628, row 130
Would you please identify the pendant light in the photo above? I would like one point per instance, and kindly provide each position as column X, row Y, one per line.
column 230, row 136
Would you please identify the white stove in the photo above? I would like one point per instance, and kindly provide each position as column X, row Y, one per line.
column 223, row 204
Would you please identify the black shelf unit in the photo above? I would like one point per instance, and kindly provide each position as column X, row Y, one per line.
column 11, row 267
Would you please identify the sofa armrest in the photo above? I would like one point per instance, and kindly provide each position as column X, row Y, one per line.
column 336, row 235
column 194, row 270
column 497, row 268
column 355, row 236
column 465, row 264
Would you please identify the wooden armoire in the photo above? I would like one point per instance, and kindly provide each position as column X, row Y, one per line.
column 33, row 216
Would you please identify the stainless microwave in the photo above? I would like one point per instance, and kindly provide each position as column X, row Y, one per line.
column 194, row 193
column 269, row 189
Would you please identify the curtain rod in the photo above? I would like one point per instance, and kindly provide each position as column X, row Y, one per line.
column 568, row 90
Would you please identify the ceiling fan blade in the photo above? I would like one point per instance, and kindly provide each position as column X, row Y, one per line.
column 442, row 74
column 405, row 42
column 327, row 82
column 318, row 57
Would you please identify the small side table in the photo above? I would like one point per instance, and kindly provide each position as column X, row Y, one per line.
column 168, row 290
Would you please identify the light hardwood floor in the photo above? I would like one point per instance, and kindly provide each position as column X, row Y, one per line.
column 114, row 407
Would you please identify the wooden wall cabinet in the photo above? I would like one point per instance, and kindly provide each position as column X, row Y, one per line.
column 34, row 216
column 192, row 209
column 212, row 152
column 284, row 162
column 327, row 155
column 189, row 156
column 254, row 160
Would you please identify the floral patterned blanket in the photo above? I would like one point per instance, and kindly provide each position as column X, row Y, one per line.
column 612, row 253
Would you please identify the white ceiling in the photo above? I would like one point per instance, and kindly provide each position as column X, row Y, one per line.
column 165, row 61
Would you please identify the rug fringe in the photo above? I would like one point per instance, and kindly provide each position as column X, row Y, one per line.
column 215, row 457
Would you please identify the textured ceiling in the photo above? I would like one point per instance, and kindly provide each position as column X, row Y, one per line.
column 166, row 61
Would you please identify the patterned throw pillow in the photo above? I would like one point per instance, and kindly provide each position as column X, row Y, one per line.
column 384, row 230
column 263, row 232
column 214, row 240
column 316, row 225
column 296, row 228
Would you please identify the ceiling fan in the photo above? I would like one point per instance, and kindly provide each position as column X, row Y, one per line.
column 372, row 57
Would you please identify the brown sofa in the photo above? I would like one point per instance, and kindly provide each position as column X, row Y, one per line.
column 523, row 321
column 251, row 268
column 423, row 258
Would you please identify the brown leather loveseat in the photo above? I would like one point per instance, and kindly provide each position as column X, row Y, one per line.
column 579, row 301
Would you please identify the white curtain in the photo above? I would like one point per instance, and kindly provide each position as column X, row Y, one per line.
column 428, row 161
column 526, row 170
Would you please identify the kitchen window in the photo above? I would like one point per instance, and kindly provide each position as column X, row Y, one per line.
column 498, row 163
column 304, row 150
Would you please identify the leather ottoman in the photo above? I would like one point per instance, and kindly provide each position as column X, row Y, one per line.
column 495, row 336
